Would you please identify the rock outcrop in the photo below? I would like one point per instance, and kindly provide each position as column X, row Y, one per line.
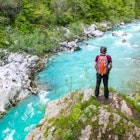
column 80, row 115
column 92, row 32
column 16, row 73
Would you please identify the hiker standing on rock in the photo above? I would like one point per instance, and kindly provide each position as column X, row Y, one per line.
column 103, row 65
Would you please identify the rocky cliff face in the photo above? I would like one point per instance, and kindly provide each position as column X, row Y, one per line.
column 15, row 78
column 80, row 115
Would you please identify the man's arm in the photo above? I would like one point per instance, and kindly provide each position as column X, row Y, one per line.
column 110, row 66
column 95, row 65
column 95, row 62
column 110, row 62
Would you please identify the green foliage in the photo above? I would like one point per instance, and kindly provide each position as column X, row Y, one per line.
column 34, row 15
column 76, row 112
column 112, row 90
column 3, row 33
column 120, row 128
column 137, row 9
column 91, row 101
column 63, row 12
column 68, row 127
column 2, row 38
column 132, row 103
column 23, row 24
column 27, row 16
column 76, row 28
column 2, row 54
column 137, row 97
column 65, row 19
column 9, row 7
column 37, row 43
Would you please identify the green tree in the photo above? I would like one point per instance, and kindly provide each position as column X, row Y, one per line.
column 9, row 7
column 62, row 11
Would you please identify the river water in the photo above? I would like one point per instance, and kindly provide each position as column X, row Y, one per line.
column 74, row 70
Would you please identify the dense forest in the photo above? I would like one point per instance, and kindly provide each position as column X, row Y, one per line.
column 36, row 26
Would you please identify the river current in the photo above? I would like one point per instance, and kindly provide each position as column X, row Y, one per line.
column 74, row 70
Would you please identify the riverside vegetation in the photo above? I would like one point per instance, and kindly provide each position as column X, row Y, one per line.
column 37, row 27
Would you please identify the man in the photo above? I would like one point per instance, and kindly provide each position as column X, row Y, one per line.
column 103, row 65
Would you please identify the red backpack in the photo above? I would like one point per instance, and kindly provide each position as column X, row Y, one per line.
column 102, row 65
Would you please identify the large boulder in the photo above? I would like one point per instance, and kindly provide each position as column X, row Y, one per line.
column 15, row 79
column 91, row 31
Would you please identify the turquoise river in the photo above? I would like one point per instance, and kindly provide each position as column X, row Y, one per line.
column 74, row 70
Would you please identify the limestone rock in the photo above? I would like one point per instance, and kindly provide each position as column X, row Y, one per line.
column 15, row 82
column 97, row 122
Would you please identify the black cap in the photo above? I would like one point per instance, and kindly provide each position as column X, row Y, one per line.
column 103, row 49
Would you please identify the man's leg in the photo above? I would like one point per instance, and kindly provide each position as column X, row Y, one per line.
column 105, row 81
column 98, row 82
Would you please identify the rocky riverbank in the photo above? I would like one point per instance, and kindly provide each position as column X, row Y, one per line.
column 81, row 116
column 16, row 73
column 94, row 30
